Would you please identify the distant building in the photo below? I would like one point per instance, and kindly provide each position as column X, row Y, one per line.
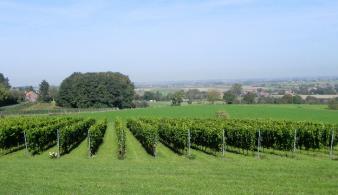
column 31, row 96
column 263, row 94
column 289, row 92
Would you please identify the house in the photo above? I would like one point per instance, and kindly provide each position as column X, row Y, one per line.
column 31, row 96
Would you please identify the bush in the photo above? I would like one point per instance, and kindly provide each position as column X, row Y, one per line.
column 145, row 133
column 41, row 138
column 96, row 134
column 11, row 134
column 12, row 129
column 177, row 98
column 72, row 135
column 243, row 134
column 222, row 115
column 333, row 104
column 140, row 104
column 174, row 133
column 207, row 133
column 121, row 129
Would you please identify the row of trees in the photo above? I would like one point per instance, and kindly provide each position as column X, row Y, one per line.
column 7, row 97
column 104, row 89
column 234, row 95
column 313, row 89
column 108, row 89
column 47, row 93
column 191, row 94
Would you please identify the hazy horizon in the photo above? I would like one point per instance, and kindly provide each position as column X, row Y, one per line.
column 154, row 41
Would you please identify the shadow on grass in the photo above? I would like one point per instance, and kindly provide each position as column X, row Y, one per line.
column 11, row 150
column 172, row 148
column 75, row 145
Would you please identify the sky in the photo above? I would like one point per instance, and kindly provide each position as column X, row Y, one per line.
column 168, row 40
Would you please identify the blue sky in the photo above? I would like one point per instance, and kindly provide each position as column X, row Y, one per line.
column 168, row 40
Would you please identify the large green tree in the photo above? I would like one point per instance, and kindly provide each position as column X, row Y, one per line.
column 287, row 99
column 297, row 99
column 44, row 91
column 214, row 95
column 237, row 89
column 333, row 104
column 177, row 98
column 6, row 95
column 4, row 81
column 103, row 89
column 53, row 92
column 250, row 98
column 150, row 95
column 195, row 94
column 229, row 97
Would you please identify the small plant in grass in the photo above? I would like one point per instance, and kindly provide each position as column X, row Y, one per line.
column 222, row 115
column 53, row 155
column 191, row 156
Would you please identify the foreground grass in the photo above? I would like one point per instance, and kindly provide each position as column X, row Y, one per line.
column 170, row 173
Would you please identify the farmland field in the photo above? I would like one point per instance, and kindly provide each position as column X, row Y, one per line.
column 314, row 113
column 74, row 173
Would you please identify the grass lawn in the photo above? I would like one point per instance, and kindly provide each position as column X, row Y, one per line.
column 170, row 173
column 315, row 113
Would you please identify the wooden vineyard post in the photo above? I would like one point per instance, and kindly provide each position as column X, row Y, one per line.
column 155, row 152
column 155, row 148
column 295, row 141
column 89, row 149
column 223, row 145
column 259, row 143
column 189, row 144
column 26, row 144
column 331, row 148
column 121, row 146
column 58, row 142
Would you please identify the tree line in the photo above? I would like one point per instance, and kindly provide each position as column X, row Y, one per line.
column 235, row 95
column 79, row 90
column 111, row 89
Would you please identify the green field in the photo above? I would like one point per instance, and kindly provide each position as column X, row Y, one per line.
column 315, row 113
column 140, row 173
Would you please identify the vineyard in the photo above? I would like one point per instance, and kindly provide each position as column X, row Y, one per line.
column 37, row 134
column 131, row 152
column 247, row 135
